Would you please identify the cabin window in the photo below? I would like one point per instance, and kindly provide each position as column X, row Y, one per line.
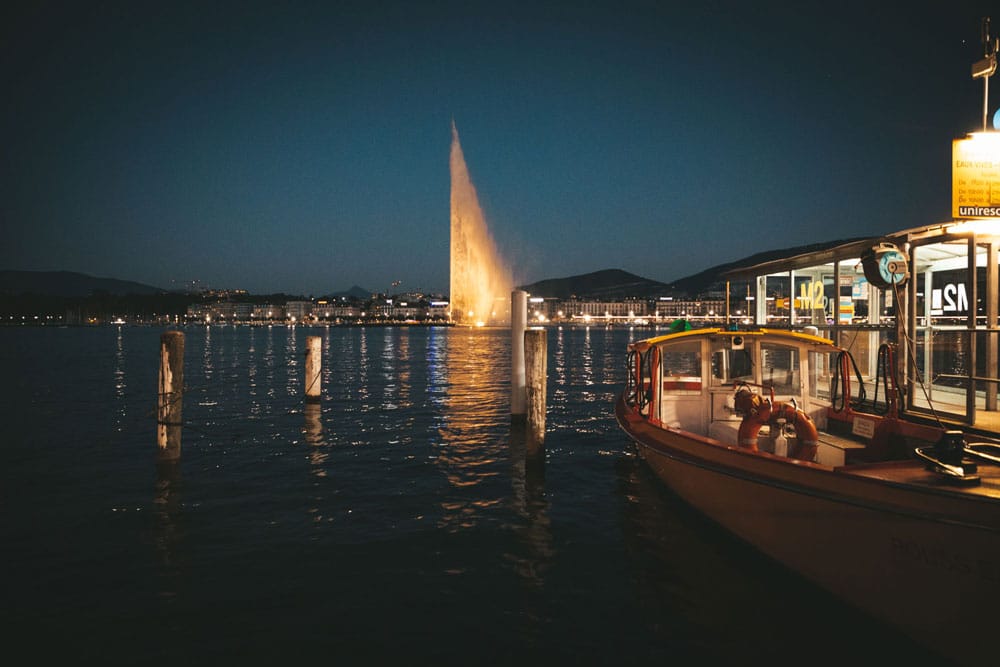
column 821, row 365
column 731, row 366
column 681, row 364
column 780, row 369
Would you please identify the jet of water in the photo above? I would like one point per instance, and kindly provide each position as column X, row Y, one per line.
column 481, row 282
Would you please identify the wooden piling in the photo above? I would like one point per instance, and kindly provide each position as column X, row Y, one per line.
column 314, row 368
column 536, row 371
column 170, row 401
column 518, row 322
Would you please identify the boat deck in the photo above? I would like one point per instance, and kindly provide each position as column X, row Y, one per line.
column 915, row 472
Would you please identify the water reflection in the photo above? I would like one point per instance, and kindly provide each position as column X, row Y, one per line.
column 207, row 368
column 389, row 361
column 252, row 373
column 120, row 384
column 532, row 507
column 558, row 374
column 166, row 535
column 475, row 409
column 292, row 380
column 362, row 368
column 318, row 453
column 404, row 363
column 587, row 360
column 269, row 363
column 437, row 368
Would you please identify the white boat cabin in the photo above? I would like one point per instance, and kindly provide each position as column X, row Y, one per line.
column 690, row 379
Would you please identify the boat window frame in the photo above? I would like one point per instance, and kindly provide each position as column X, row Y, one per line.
column 724, row 344
column 683, row 384
column 796, row 355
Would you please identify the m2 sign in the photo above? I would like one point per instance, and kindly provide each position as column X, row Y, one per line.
column 951, row 293
column 950, row 299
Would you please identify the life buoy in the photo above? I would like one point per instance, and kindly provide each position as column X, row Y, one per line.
column 758, row 411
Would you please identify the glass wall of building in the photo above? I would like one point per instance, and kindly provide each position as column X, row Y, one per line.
column 955, row 327
column 946, row 343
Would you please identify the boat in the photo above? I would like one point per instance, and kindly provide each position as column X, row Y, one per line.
column 768, row 433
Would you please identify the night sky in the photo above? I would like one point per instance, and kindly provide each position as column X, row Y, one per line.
column 303, row 147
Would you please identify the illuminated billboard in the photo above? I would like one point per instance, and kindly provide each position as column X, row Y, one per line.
column 975, row 176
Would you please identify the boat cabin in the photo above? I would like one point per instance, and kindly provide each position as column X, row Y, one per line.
column 690, row 381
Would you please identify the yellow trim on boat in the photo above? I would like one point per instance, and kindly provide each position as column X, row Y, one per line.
column 795, row 335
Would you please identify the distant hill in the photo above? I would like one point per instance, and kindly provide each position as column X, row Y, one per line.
column 612, row 284
column 68, row 284
column 355, row 292
column 606, row 285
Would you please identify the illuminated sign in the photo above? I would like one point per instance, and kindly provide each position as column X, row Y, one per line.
column 811, row 296
column 950, row 299
column 975, row 176
column 846, row 311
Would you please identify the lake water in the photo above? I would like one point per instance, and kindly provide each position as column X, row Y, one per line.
column 395, row 523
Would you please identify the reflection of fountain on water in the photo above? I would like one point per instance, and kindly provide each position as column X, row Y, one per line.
column 470, row 431
column 480, row 281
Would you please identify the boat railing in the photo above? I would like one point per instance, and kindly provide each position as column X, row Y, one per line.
column 984, row 451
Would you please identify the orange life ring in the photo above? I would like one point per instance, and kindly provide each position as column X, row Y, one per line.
column 759, row 411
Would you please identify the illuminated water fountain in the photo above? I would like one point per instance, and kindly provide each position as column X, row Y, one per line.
column 480, row 281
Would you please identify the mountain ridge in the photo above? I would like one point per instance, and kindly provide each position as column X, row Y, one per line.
column 69, row 284
column 603, row 285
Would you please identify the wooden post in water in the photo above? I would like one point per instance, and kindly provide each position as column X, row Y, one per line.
column 170, row 396
column 518, row 322
column 536, row 370
column 314, row 368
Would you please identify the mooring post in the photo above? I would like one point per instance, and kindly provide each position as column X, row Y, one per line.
column 518, row 322
column 536, row 369
column 314, row 368
column 170, row 396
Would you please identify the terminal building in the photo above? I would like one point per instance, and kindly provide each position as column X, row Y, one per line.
column 932, row 291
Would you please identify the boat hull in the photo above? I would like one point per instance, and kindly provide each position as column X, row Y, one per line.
column 926, row 561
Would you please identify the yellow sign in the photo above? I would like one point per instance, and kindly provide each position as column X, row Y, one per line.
column 975, row 176
column 811, row 296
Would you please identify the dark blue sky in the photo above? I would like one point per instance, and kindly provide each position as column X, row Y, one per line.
column 303, row 147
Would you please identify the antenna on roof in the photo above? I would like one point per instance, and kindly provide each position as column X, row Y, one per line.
column 987, row 66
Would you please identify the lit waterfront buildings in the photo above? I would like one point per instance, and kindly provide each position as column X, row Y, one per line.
column 407, row 309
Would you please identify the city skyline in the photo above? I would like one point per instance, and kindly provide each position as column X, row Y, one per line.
column 304, row 149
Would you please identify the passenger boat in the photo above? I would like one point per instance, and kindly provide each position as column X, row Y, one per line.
column 766, row 433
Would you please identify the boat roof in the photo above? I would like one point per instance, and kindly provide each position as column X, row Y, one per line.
column 827, row 253
column 794, row 336
column 823, row 255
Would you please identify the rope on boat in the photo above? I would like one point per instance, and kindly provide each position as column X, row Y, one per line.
column 911, row 347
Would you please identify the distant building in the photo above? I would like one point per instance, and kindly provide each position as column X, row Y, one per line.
column 298, row 311
column 267, row 312
column 438, row 309
column 573, row 308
